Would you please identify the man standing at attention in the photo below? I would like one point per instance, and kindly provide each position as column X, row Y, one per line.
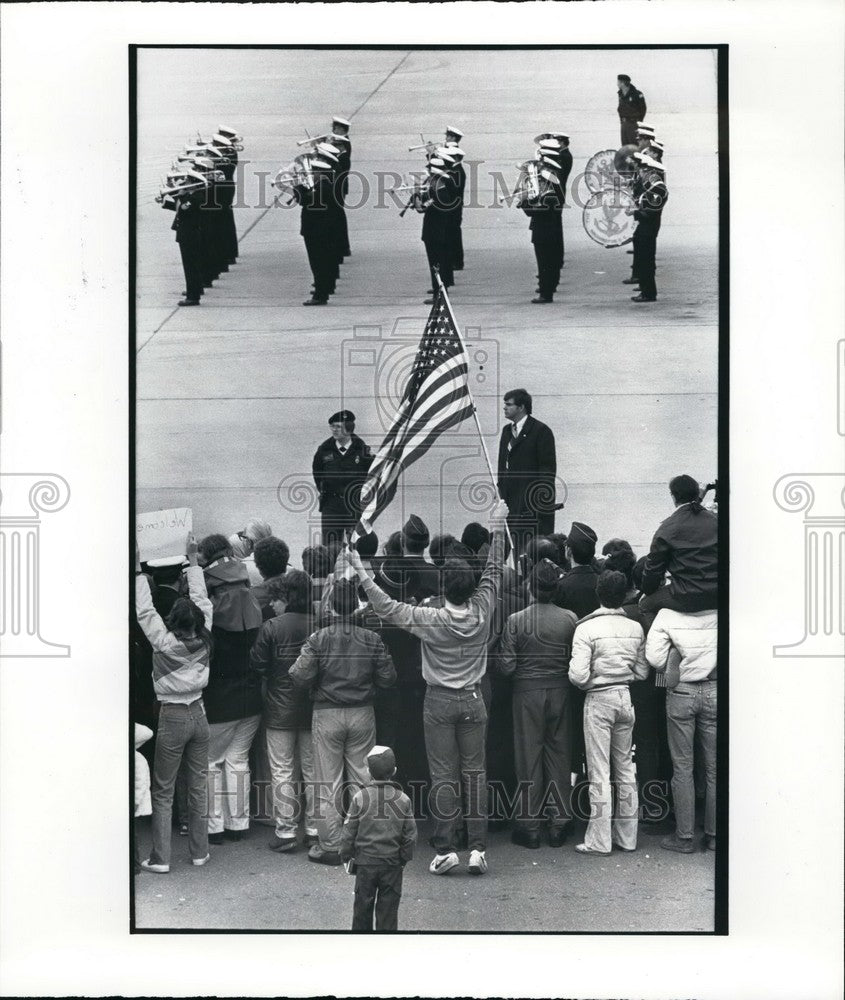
column 527, row 469
column 340, row 468
column 632, row 108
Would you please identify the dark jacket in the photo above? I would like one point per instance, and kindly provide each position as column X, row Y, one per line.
column 546, row 215
column 577, row 591
column 261, row 593
column 428, row 576
column 275, row 651
column 631, row 106
column 404, row 648
column 537, row 645
column 343, row 664
column 235, row 607
column 528, row 482
column 319, row 207
column 339, row 477
column 439, row 218
column 685, row 545
column 379, row 828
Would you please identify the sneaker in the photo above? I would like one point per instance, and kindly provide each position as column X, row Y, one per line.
column 282, row 844
column 680, row 845
column 583, row 849
column 148, row 866
column 477, row 863
column 199, row 862
column 443, row 863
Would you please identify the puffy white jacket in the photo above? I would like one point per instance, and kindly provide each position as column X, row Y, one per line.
column 143, row 801
column 607, row 649
column 693, row 635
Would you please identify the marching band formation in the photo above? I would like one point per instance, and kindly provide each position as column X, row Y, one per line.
column 200, row 190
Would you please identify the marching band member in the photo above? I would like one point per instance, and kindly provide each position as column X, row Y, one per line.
column 340, row 138
column 226, row 143
column 187, row 224
column 453, row 139
column 650, row 196
column 438, row 201
column 542, row 201
column 317, row 228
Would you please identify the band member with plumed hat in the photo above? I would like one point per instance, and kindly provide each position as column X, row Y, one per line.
column 631, row 107
column 340, row 468
column 527, row 469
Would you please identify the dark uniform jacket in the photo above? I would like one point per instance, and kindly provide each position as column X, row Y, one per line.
column 275, row 651
column 545, row 214
column 339, row 477
column 319, row 206
column 577, row 591
column 685, row 545
column 651, row 194
column 632, row 106
column 187, row 223
column 438, row 220
column 343, row 664
column 528, row 483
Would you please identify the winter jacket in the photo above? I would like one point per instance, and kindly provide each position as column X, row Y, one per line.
column 235, row 607
column 276, row 649
column 343, row 664
column 576, row 591
column 686, row 546
column 608, row 650
column 143, row 800
column 379, row 828
column 693, row 635
column 454, row 639
column 536, row 647
column 180, row 666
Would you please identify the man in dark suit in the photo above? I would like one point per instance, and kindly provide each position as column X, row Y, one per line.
column 340, row 468
column 527, row 469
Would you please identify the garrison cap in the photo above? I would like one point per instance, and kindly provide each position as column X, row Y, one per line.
column 382, row 762
column 416, row 530
column 342, row 417
column 581, row 532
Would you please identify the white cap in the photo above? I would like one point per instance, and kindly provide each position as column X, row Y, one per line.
column 337, row 120
column 230, row 132
column 549, row 144
column 446, row 154
column 220, row 139
column 656, row 145
column 452, row 130
column 327, row 149
column 550, row 175
column 643, row 127
column 322, row 164
column 167, row 561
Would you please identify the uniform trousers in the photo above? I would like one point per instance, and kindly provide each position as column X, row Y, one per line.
column 608, row 728
column 190, row 249
column 645, row 250
column 379, row 888
column 542, row 737
column 321, row 260
column 548, row 268
column 229, row 774
column 628, row 132
column 439, row 253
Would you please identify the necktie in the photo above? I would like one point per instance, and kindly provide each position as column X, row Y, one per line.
column 342, row 450
column 511, row 443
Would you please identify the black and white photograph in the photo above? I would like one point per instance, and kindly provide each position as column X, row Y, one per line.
column 422, row 499
column 426, row 489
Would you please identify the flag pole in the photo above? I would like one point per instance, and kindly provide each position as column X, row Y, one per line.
column 512, row 556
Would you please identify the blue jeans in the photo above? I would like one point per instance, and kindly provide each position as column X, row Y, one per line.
column 455, row 731
column 691, row 707
column 182, row 733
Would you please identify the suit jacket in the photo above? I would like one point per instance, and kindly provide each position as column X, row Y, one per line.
column 527, row 476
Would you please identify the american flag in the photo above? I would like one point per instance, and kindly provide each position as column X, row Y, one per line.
column 436, row 398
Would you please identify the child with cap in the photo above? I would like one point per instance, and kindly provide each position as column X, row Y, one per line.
column 378, row 838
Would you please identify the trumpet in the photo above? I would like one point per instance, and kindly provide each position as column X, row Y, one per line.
column 180, row 189
column 313, row 141
column 418, row 190
column 429, row 146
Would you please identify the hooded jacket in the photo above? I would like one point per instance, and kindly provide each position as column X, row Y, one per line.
column 608, row 650
column 454, row 639
column 180, row 666
column 235, row 607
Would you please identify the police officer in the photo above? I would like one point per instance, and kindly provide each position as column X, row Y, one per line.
column 631, row 107
column 453, row 140
column 545, row 209
column 340, row 468
column 650, row 196
column 340, row 138
column 439, row 204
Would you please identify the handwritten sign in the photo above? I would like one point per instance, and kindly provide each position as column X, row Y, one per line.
column 163, row 532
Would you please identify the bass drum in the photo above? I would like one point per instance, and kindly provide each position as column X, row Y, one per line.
column 605, row 218
column 600, row 172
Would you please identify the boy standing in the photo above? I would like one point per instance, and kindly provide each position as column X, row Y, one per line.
column 378, row 836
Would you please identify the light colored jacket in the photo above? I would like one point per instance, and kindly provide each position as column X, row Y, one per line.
column 453, row 640
column 693, row 635
column 180, row 666
column 143, row 800
column 608, row 649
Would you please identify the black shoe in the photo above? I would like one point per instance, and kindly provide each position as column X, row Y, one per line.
column 234, row 834
column 189, row 302
column 526, row 838
column 678, row 844
column 558, row 835
column 315, row 302
column 216, row 838
column 631, row 281
column 629, row 251
column 541, row 300
column 428, row 302
column 643, row 298
column 282, row 845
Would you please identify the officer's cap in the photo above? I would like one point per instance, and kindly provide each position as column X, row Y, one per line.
column 343, row 122
column 340, row 138
column 453, row 130
column 447, row 154
column 550, row 138
column 342, row 417
column 581, row 532
column 644, row 129
column 230, row 133
column 415, row 530
column 550, row 173
column 321, row 164
column 327, row 151
column 166, row 561
column 221, row 140
column 382, row 763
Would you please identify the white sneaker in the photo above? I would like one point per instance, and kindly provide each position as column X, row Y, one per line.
column 443, row 863
column 200, row 861
column 477, row 863
column 148, row 866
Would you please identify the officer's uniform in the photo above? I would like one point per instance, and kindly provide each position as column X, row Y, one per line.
column 632, row 109
column 339, row 475
column 650, row 196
